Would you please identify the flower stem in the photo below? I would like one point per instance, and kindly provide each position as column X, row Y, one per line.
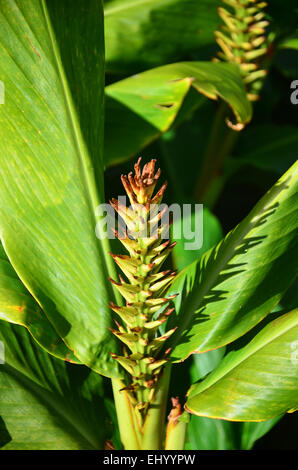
column 176, row 428
column 129, row 433
column 154, row 423
column 221, row 142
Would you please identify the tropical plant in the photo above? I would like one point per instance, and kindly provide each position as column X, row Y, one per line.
column 228, row 319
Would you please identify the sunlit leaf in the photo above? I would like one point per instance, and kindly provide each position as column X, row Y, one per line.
column 255, row 383
column 238, row 282
column 141, row 107
column 50, row 142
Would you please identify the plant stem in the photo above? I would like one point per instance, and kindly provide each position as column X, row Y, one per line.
column 221, row 142
column 129, row 432
column 210, row 152
column 150, row 435
column 154, row 423
column 217, row 181
column 175, row 439
column 176, row 428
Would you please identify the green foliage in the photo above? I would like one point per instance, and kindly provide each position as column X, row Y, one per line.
column 18, row 306
column 48, row 188
column 57, row 140
column 238, row 282
column 212, row 234
column 141, row 107
column 246, row 379
column 144, row 288
column 141, row 35
column 48, row 404
column 243, row 40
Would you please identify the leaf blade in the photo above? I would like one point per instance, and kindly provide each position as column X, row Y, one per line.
column 258, row 382
column 150, row 101
column 56, row 409
column 237, row 283
column 48, row 184
column 18, row 306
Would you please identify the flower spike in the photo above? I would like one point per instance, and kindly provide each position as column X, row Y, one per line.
column 147, row 306
column 243, row 40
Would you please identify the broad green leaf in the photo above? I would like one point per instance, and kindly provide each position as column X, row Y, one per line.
column 218, row 434
column 215, row 434
column 255, row 383
column 53, row 78
column 251, row 432
column 140, row 34
column 291, row 43
column 238, row 282
column 285, row 60
column 205, row 433
column 263, row 145
column 45, row 403
column 211, row 234
column 141, row 107
column 133, row 130
column 290, row 299
column 18, row 306
column 210, row 434
column 204, row 363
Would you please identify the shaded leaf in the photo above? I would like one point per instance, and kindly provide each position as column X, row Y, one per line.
column 211, row 234
column 46, row 404
column 141, row 35
column 210, row 434
column 204, row 363
column 263, row 145
column 251, row 432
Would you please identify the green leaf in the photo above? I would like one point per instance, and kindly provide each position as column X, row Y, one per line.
column 212, row 233
column 50, row 141
column 45, row 403
column 291, row 43
column 18, row 306
column 204, row 363
column 255, row 383
column 143, row 34
column 251, row 432
column 238, row 282
column 285, row 60
column 263, row 145
column 141, row 107
column 205, row 433
column 216, row 434
column 210, row 434
column 134, row 131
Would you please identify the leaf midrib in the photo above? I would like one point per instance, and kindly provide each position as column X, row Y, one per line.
column 88, row 171
column 110, row 10
column 81, row 149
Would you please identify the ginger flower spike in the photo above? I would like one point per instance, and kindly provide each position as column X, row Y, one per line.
column 145, row 287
